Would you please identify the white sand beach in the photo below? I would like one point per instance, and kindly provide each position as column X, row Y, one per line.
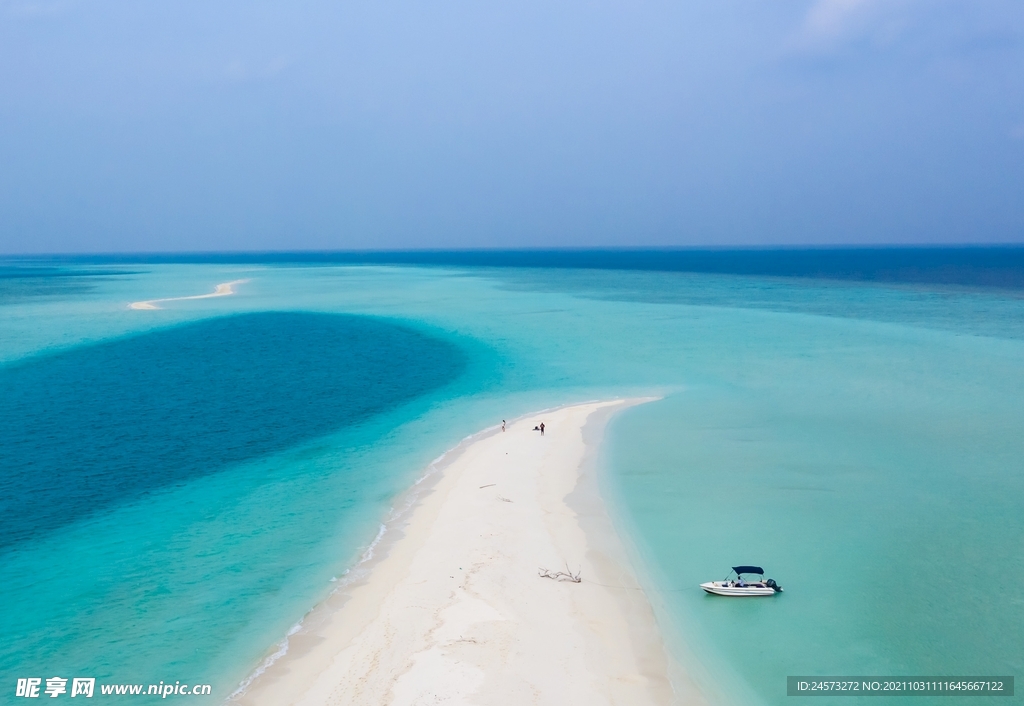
column 221, row 290
column 453, row 610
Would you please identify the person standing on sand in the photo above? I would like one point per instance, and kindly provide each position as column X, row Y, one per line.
column 503, row 425
column 542, row 428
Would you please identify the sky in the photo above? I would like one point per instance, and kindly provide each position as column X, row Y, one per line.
column 138, row 126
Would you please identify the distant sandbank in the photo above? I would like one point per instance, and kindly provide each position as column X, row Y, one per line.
column 453, row 609
column 221, row 290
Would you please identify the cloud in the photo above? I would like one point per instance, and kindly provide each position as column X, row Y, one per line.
column 829, row 19
column 828, row 25
column 239, row 70
column 277, row 65
column 43, row 9
column 235, row 70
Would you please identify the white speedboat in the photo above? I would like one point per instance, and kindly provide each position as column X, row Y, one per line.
column 741, row 586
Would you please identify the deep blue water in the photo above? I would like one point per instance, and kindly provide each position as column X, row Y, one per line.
column 94, row 425
column 992, row 266
column 20, row 279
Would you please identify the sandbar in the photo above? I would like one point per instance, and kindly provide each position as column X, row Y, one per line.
column 221, row 290
column 453, row 609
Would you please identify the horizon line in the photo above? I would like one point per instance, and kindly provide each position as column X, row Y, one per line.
column 529, row 249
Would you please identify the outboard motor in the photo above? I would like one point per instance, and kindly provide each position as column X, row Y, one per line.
column 770, row 583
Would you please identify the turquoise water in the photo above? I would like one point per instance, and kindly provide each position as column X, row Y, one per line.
column 878, row 479
column 862, row 442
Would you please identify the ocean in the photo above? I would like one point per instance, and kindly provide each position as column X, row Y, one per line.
column 180, row 486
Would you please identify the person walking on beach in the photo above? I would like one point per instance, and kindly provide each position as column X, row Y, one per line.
column 503, row 425
column 542, row 428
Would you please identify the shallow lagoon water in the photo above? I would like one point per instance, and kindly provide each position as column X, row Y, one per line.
column 854, row 439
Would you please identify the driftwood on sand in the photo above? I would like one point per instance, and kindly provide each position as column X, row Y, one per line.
column 566, row 575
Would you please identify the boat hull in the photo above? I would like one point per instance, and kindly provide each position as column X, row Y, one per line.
column 719, row 588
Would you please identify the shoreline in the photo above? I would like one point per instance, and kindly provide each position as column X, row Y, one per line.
column 221, row 290
column 447, row 603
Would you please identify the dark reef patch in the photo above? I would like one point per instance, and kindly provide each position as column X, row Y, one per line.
column 98, row 424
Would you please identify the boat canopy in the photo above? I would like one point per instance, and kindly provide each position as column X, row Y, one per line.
column 748, row 569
